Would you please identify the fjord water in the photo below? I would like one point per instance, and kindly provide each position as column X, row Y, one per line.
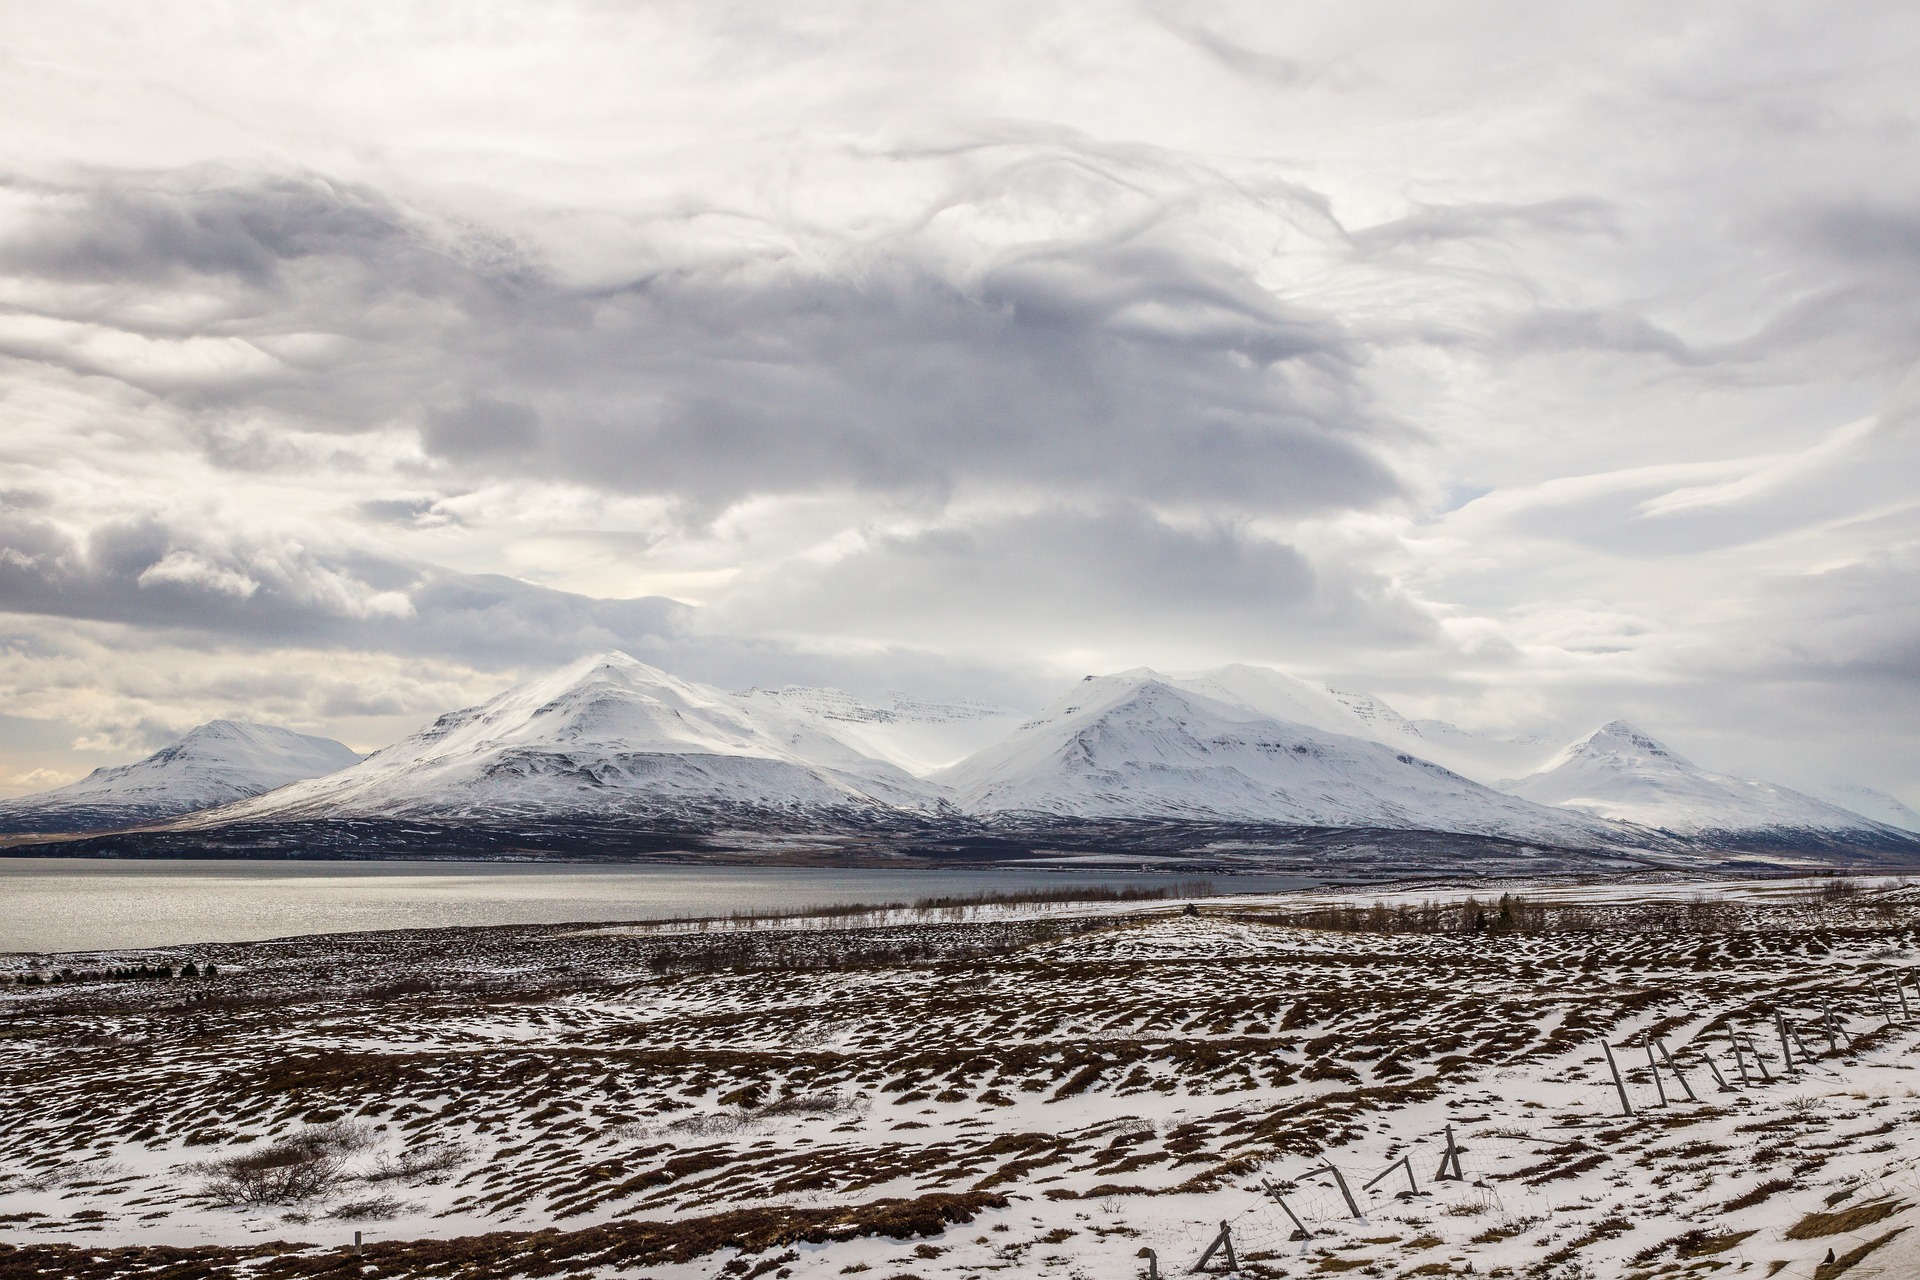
column 92, row 904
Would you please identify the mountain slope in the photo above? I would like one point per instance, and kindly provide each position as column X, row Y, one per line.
column 917, row 734
column 610, row 737
column 1621, row 773
column 1134, row 745
column 1481, row 757
column 219, row 762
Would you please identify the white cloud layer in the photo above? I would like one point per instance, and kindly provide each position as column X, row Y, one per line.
column 1527, row 367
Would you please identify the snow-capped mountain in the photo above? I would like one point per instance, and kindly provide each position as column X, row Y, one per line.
column 1868, row 802
column 608, row 736
column 1619, row 772
column 917, row 734
column 1138, row 746
column 1481, row 757
column 221, row 761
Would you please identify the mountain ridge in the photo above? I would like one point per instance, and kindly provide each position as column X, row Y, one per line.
column 215, row 763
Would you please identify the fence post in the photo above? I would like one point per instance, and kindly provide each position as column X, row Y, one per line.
column 1626, row 1106
column 1153, row 1263
column 1675, row 1068
column 1404, row 1162
column 1653, row 1069
column 1222, row 1241
column 1766, row 1076
column 1300, row 1231
column 1450, row 1162
column 1786, row 1050
column 1340, row 1180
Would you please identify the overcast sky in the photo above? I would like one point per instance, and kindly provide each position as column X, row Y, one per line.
column 1527, row 365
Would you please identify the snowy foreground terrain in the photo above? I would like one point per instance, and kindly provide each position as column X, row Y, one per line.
column 995, row 1090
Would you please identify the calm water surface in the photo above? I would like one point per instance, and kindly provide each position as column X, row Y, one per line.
column 88, row 904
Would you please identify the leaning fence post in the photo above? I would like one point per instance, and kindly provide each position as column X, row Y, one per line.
column 1675, row 1068
column 1450, row 1162
column 1653, row 1069
column 1222, row 1241
column 1786, row 1050
column 1826, row 1025
column 1626, row 1106
column 1739, row 1062
column 1340, row 1180
column 1404, row 1162
column 1766, row 1076
column 1300, row 1231
column 1899, row 989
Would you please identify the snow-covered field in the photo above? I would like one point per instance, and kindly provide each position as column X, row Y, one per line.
column 996, row 1091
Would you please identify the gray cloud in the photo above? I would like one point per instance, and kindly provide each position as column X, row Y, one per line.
column 1060, row 576
column 1128, row 364
column 148, row 573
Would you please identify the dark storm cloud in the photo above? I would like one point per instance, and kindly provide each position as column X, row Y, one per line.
column 1124, row 364
column 148, row 574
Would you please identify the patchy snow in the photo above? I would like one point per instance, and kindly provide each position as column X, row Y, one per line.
column 677, row 1104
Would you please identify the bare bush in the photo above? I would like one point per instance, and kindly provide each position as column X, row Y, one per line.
column 422, row 1163
column 302, row 1166
column 375, row 1209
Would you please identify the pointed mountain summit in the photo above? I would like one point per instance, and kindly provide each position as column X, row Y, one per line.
column 219, row 762
column 608, row 736
column 1135, row 745
column 1623, row 773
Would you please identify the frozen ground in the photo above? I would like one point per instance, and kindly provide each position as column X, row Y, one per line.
column 1019, row 1092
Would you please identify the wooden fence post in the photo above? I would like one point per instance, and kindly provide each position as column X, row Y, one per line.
column 1675, row 1068
column 1766, row 1076
column 1222, row 1241
column 1626, row 1106
column 1653, row 1069
column 1450, row 1162
column 1340, row 1180
column 1300, row 1231
column 1404, row 1162
column 1739, row 1062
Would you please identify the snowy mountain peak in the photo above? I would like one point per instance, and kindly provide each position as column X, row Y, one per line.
column 608, row 735
column 218, row 762
column 1136, row 746
column 1622, row 739
column 1621, row 772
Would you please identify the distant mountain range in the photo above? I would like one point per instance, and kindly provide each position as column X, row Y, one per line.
column 221, row 761
column 611, row 745
column 1618, row 772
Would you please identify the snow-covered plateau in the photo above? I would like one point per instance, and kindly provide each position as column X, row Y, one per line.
column 1572, row 1081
